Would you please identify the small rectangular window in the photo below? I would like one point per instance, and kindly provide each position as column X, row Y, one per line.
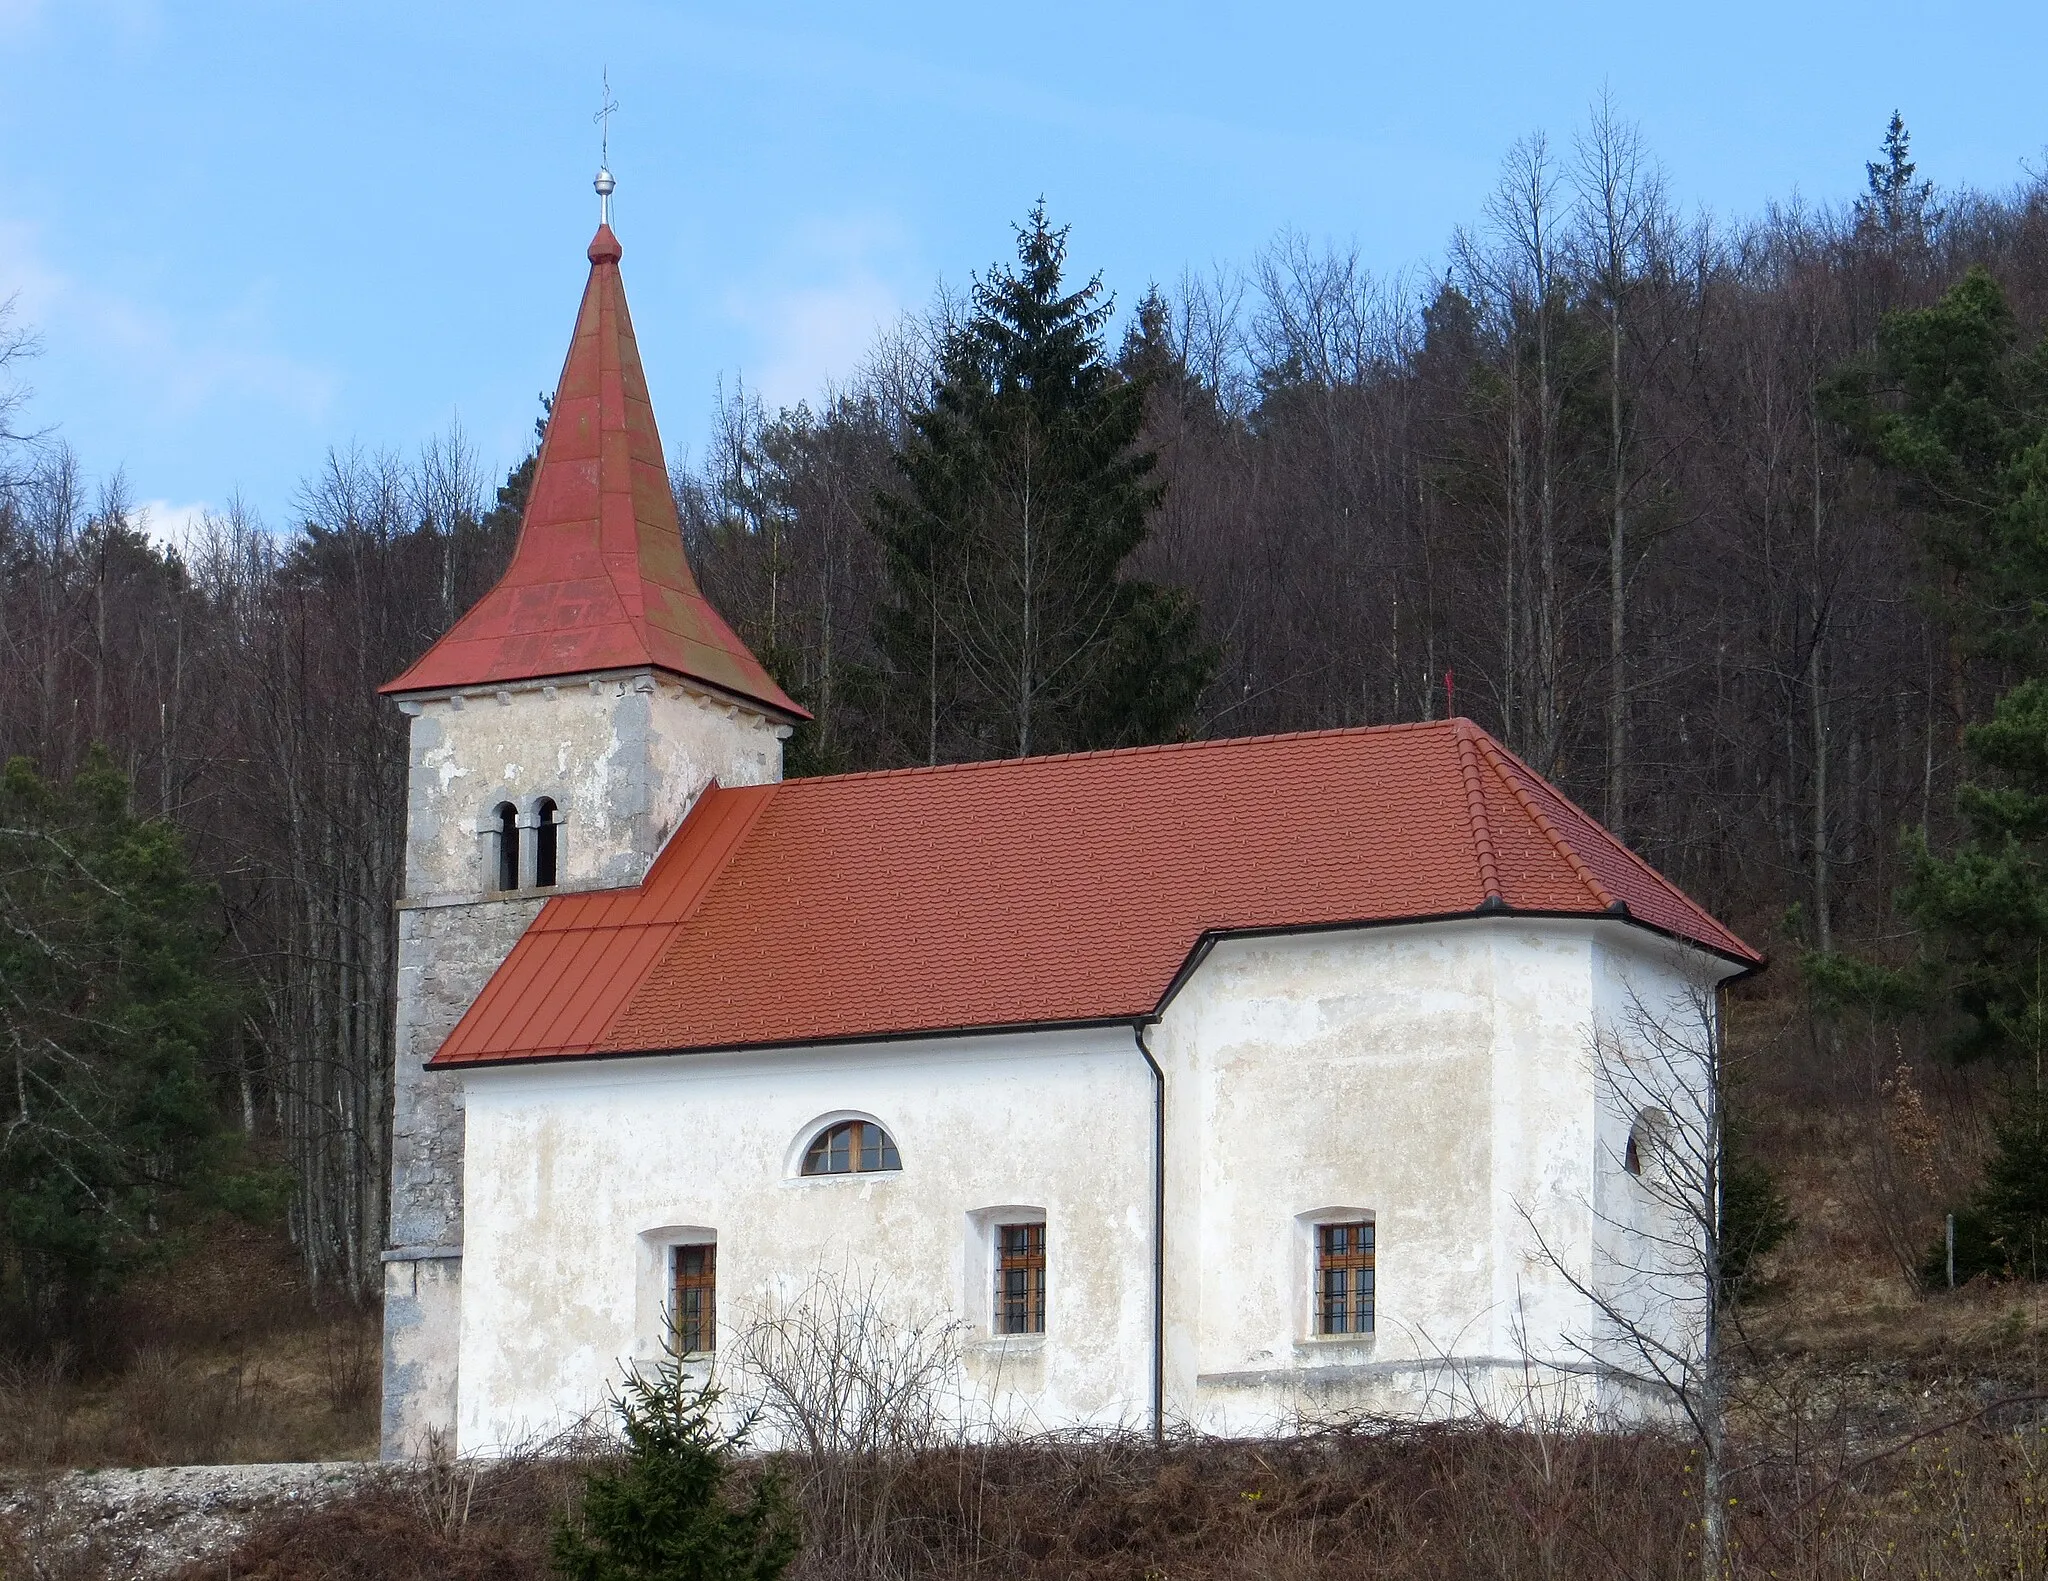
column 1020, row 1279
column 1344, row 1278
column 696, row 1304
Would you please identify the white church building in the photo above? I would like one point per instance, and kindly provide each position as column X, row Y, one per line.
column 1222, row 1085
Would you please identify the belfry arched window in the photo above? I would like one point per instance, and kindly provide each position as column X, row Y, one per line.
column 852, row 1147
column 508, row 846
column 547, row 843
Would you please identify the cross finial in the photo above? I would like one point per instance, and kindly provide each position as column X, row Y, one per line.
column 604, row 182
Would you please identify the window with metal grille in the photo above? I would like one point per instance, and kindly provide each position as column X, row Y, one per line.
column 696, row 1303
column 1344, row 1278
column 853, row 1147
column 1020, row 1279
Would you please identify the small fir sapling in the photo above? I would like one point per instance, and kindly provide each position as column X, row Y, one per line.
column 666, row 1513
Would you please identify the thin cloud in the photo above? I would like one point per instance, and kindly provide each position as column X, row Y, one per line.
column 171, row 526
column 180, row 366
column 817, row 336
column 824, row 302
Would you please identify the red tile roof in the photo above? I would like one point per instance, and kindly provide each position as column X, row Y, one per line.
column 598, row 580
column 1043, row 890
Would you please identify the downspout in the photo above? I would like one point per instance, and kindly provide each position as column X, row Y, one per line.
column 1158, row 1235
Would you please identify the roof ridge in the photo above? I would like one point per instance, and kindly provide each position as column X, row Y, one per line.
column 1564, row 848
column 1475, row 809
column 992, row 764
column 614, row 327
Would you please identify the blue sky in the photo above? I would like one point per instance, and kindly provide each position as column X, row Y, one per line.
column 246, row 232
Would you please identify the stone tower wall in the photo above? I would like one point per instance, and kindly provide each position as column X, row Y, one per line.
column 622, row 756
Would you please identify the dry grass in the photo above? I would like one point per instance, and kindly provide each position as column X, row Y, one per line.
column 428, row 1524
column 1871, row 1140
column 225, row 1357
column 1403, row 1504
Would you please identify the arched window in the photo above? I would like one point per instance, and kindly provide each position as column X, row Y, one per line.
column 508, row 846
column 1645, row 1141
column 546, row 843
column 852, row 1147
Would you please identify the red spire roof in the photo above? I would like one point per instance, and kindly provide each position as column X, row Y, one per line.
column 1046, row 890
column 598, row 581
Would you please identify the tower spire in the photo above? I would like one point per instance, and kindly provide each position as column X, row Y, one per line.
column 598, row 580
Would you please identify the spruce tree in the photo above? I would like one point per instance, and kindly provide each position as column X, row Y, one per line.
column 1010, row 627
column 667, row 1514
column 1896, row 205
column 1954, row 410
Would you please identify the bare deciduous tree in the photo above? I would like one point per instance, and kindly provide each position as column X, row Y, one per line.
column 1655, row 1283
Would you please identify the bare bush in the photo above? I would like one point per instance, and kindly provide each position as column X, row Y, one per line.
column 35, row 1403
column 1380, row 1501
column 834, row 1371
column 852, row 1391
column 351, row 1362
column 177, row 1411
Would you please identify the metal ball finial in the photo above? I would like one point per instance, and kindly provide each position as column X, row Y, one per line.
column 605, row 186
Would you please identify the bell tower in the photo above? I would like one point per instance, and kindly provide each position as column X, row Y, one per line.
column 559, row 732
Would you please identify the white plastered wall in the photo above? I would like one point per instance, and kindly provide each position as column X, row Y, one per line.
column 1439, row 1078
column 580, row 1174
column 1656, row 1014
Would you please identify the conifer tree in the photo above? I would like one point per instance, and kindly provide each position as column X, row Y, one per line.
column 666, row 1514
column 1956, row 411
column 110, row 1004
column 1010, row 628
column 1896, row 205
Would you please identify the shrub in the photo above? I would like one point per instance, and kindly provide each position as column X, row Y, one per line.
column 2003, row 1229
column 666, row 1514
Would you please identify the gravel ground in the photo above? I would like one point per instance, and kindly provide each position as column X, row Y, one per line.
column 84, row 1524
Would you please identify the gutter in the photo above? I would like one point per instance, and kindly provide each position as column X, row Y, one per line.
column 1158, row 1233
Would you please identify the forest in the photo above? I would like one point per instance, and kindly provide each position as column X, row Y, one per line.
column 1610, row 477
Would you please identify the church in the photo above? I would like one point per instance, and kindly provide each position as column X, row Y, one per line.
column 1219, row 1086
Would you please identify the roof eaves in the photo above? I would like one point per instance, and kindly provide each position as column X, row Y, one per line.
column 832, row 1040
column 1747, row 965
column 1748, row 962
